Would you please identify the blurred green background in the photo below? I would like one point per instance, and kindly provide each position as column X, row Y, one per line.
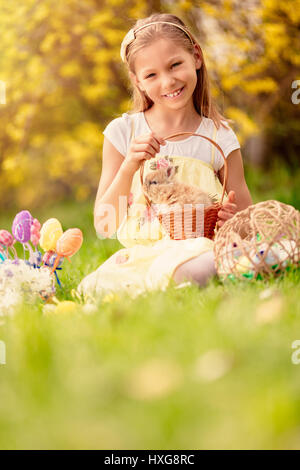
column 65, row 81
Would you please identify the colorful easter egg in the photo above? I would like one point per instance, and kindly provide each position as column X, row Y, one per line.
column 36, row 224
column 65, row 307
column 6, row 238
column 243, row 264
column 21, row 226
column 35, row 232
column 70, row 242
column 50, row 232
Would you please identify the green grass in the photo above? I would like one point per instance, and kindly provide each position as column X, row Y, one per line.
column 277, row 182
column 135, row 374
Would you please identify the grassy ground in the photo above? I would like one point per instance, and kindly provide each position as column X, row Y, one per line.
column 183, row 369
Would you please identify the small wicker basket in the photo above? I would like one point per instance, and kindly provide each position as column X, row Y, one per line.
column 190, row 221
column 259, row 242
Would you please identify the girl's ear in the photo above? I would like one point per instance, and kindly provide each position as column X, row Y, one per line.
column 197, row 57
column 134, row 79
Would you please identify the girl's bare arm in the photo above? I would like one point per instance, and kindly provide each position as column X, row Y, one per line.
column 236, row 180
column 116, row 179
column 114, row 182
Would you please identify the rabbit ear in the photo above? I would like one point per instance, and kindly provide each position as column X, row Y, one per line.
column 170, row 171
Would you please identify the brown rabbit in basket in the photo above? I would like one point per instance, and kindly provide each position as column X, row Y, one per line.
column 161, row 187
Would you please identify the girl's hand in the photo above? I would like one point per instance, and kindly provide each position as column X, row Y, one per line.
column 228, row 210
column 142, row 148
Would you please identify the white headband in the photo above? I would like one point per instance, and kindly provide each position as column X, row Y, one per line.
column 130, row 36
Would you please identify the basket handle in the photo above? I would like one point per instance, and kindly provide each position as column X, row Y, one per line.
column 190, row 134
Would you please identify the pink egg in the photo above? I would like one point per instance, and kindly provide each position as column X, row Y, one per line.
column 36, row 224
column 34, row 235
column 6, row 238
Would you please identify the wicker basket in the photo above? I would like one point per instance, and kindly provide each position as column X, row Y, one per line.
column 259, row 242
column 192, row 221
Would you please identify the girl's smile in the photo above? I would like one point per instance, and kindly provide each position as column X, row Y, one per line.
column 175, row 93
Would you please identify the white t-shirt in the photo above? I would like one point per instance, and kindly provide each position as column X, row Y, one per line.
column 118, row 132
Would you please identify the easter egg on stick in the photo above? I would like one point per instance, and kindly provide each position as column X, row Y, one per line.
column 36, row 224
column 50, row 232
column 68, row 244
column 35, row 232
column 21, row 226
column 6, row 238
column 7, row 241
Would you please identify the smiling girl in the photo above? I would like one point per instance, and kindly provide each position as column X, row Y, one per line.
column 171, row 94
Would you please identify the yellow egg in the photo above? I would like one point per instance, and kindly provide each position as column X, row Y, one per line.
column 51, row 231
column 243, row 265
column 67, row 306
column 110, row 297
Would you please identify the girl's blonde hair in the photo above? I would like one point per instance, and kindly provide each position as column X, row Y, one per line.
column 202, row 98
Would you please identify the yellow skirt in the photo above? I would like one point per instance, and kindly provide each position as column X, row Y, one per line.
column 142, row 268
